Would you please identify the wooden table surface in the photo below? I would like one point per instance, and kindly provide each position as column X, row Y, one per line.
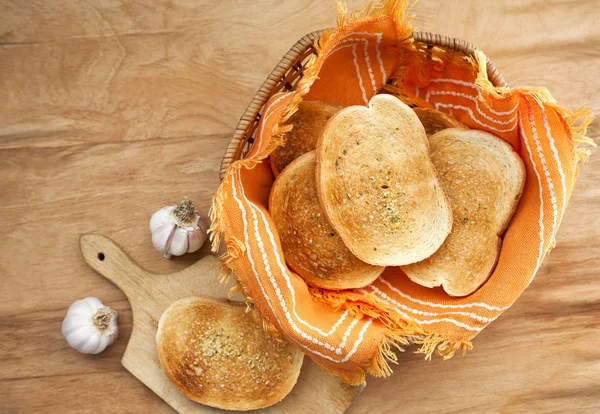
column 111, row 109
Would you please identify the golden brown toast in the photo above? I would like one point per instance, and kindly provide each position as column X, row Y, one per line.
column 217, row 354
column 308, row 123
column 434, row 121
column 483, row 178
column 377, row 185
column 310, row 245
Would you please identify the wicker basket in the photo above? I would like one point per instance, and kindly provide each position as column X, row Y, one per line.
column 289, row 70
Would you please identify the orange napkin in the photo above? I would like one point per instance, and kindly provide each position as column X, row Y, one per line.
column 349, row 332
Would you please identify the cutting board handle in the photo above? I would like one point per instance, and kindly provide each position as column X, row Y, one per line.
column 108, row 259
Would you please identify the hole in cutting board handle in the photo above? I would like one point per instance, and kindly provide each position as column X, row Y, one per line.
column 101, row 256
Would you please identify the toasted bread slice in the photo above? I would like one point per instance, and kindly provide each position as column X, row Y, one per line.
column 308, row 123
column 434, row 121
column 218, row 355
column 484, row 178
column 310, row 245
column 377, row 185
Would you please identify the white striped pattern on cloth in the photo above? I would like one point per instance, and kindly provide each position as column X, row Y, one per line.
column 365, row 43
column 266, row 116
column 387, row 301
column 356, row 68
column 473, row 86
column 538, row 147
column 541, row 218
column 439, row 305
column 426, row 313
column 252, row 264
column 367, row 60
column 556, row 160
column 470, row 112
column 249, row 255
column 254, row 209
column 378, row 37
column 360, row 81
column 548, row 180
column 474, row 99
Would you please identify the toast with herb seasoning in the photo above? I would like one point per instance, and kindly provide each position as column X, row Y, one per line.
column 217, row 354
column 483, row 177
column 311, row 247
column 308, row 122
column 434, row 121
column 377, row 186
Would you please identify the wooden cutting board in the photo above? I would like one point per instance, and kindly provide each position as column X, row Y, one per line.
column 150, row 294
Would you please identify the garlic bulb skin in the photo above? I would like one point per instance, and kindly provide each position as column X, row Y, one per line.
column 178, row 229
column 89, row 326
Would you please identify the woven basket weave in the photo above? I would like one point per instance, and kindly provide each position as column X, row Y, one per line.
column 288, row 72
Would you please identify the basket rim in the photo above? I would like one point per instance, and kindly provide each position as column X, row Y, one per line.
column 267, row 89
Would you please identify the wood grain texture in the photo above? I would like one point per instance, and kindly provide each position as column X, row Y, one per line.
column 112, row 109
column 150, row 295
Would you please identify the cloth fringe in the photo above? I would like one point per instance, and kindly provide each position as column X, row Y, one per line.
column 498, row 92
column 401, row 331
column 235, row 248
column 379, row 8
column 396, row 341
column 434, row 343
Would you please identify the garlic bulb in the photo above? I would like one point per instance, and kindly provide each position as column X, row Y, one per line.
column 178, row 229
column 89, row 326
